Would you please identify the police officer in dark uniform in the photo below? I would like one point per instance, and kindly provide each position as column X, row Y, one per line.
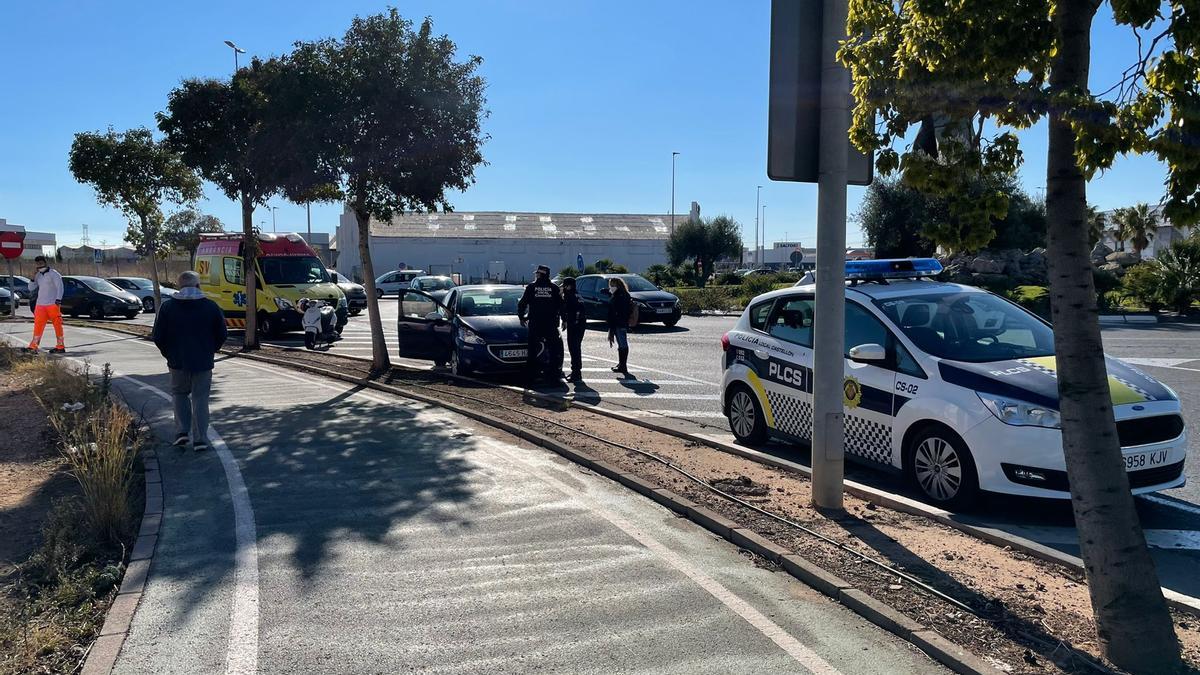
column 575, row 322
column 540, row 308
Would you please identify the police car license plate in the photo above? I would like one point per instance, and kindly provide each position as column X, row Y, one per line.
column 1145, row 460
column 663, row 310
column 513, row 353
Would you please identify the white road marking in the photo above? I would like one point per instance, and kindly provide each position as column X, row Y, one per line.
column 672, row 413
column 1175, row 540
column 649, row 396
column 1161, row 363
column 1172, row 503
column 769, row 629
column 654, row 370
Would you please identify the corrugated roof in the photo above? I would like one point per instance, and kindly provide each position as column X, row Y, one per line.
column 506, row 225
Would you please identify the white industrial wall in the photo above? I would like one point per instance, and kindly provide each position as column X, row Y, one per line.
column 470, row 257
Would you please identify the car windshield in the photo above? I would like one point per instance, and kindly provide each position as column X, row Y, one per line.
column 636, row 283
column 435, row 283
column 489, row 302
column 305, row 269
column 976, row 327
column 100, row 285
column 144, row 284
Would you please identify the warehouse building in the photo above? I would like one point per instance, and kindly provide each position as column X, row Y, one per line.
column 503, row 246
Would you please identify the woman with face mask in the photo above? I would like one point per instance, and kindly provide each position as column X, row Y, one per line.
column 48, row 284
column 620, row 307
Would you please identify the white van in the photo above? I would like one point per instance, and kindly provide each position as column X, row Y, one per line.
column 394, row 282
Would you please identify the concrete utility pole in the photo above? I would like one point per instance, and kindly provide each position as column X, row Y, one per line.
column 762, row 250
column 828, row 447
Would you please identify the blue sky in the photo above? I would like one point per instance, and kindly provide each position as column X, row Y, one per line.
column 588, row 99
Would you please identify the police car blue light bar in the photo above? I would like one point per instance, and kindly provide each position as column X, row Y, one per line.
column 900, row 268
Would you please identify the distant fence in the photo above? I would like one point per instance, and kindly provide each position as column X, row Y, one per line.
column 168, row 270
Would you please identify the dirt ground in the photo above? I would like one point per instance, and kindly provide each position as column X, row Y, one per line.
column 1027, row 615
column 32, row 474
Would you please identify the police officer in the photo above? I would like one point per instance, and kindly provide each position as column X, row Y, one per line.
column 539, row 309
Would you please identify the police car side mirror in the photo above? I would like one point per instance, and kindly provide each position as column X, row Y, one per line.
column 868, row 353
column 605, row 291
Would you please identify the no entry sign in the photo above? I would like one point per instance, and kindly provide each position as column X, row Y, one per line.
column 12, row 244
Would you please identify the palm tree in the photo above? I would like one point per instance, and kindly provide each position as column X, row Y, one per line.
column 1137, row 225
column 1097, row 220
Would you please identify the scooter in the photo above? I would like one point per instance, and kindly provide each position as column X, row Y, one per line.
column 322, row 331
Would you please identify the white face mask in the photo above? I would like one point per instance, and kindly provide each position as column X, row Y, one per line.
column 43, row 268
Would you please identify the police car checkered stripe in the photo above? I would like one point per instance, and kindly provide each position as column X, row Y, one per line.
column 792, row 416
column 1038, row 367
column 1136, row 389
column 868, row 439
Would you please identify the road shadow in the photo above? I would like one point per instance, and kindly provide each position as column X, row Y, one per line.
column 318, row 474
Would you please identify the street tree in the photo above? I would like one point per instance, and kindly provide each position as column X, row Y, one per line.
column 134, row 172
column 1097, row 222
column 705, row 240
column 182, row 229
column 991, row 68
column 234, row 133
column 398, row 119
column 1136, row 224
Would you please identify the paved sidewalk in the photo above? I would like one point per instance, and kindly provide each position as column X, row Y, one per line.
column 379, row 535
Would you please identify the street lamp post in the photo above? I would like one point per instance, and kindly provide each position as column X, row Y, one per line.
column 236, row 50
column 762, row 252
column 273, row 210
column 673, row 156
column 757, row 208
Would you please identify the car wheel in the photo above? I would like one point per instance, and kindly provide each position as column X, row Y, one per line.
column 96, row 312
column 131, row 315
column 355, row 312
column 266, row 326
column 670, row 322
column 940, row 466
column 148, row 305
column 379, row 293
column 746, row 419
column 457, row 367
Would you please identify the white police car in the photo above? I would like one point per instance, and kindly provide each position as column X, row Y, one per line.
column 950, row 384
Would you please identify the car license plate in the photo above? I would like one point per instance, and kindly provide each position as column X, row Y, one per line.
column 663, row 310
column 1145, row 460
column 513, row 353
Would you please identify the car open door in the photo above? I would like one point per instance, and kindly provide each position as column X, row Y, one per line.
column 422, row 327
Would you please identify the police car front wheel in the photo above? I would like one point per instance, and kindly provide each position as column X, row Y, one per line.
column 746, row 417
column 941, row 467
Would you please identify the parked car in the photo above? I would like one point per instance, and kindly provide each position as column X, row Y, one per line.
column 356, row 295
column 394, row 282
column 16, row 283
column 474, row 329
column 7, row 303
column 97, row 298
column 436, row 286
column 654, row 304
column 143, row 289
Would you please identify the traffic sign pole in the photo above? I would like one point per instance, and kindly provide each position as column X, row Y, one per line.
column 828, row 448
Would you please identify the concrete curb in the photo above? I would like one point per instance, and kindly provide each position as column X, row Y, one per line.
column 937, row 647
column 102, row 657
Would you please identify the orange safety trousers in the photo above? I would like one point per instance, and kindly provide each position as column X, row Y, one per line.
column 42, row 314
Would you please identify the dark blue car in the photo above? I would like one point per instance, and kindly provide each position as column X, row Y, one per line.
column 474, row 329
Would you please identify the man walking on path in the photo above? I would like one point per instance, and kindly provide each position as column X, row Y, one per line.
column 188, row 330
column 539, row 308
column 49, row 286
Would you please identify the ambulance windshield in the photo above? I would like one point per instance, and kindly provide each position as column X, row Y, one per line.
column 292, row 270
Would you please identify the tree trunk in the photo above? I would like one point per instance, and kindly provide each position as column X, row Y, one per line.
column 250, row 273
column 154, row 271
column 379, row 355
column 1132, row 622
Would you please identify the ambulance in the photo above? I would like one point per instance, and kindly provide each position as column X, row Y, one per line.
column 949, row 385
column 287, row 270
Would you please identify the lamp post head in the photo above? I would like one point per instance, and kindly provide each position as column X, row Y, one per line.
column 234, row 47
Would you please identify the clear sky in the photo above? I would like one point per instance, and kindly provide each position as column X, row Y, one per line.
column 588, row 99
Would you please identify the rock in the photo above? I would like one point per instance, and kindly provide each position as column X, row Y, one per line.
column 982, row 265
column 991, row 280
column 1112, row 268
column 1100, row 252
column 1123, row 258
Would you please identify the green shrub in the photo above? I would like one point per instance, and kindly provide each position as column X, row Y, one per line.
column 660, row 275
column 569, row 271
column 711, row 299
column 728, row 279
column 1033, row 298
column 1143, row 283
column 757, row 284
column 1179, row 273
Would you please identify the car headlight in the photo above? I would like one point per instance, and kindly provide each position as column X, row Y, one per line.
column 342, row 302
column 1019, row 413
column 471, row 337
column 284, row 303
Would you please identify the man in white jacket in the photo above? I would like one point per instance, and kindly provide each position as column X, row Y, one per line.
column 49, row 286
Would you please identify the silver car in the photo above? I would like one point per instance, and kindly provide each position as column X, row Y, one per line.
column 143, row 288
column 394, row 282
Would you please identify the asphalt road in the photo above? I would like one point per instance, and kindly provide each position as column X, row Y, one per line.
column 678, row 383
column 373, row 534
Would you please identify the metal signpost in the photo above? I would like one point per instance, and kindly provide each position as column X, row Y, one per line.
column 808, row 125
